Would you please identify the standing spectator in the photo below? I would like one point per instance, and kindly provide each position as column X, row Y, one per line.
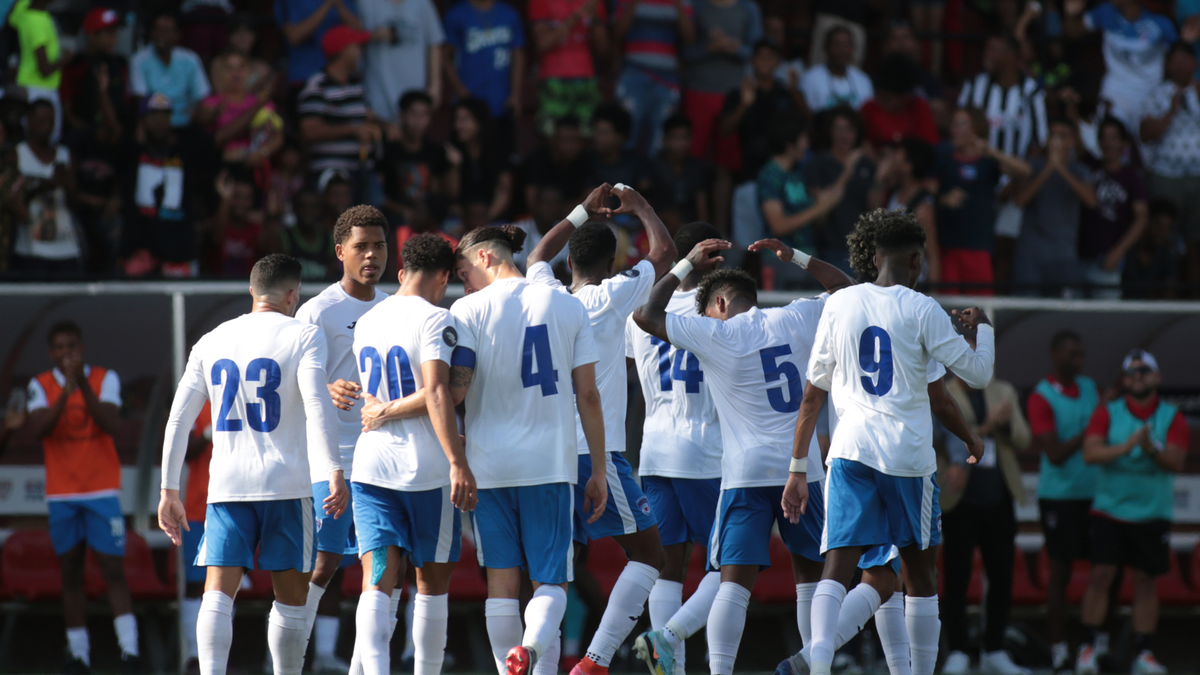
column 1048, row 248
column 726, row 31
column 243, row 122
column 205, row 26
column 896, row 112
column 74, row 410
column 243, row 39
column 405, row 54
column 485, row 46
column 163, row 67
column 568, row 35
column 1152, row 268
column 968, row 170
column 1171, row 128
column 548, row 209
column 13, row 211
column 46, row 243
column 927, row 16
column 304, row 24
column 610, row 161
column 845, row 162
column 679, row 182
column 236, row 235
column 902, row 40
column 561, row 162
column 749, row 109
column 42, row 57
column 837, row 81
column 652, row 32
column 978, row 512
column 1108, row 232
column 307, row 240
column 1139, row 442
column 414, row 167
column 850, row 15
column 484, row 175
column 83, row 97
column 906, row 171
column 95, row 152
column 1059, row 409
column 199, row 454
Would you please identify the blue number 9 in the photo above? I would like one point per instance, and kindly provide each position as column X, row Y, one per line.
column 883, row 365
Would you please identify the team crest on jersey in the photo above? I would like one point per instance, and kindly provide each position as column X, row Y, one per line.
column 450, row 336
column 939, row 523
column 644, row 505
column 632, row 274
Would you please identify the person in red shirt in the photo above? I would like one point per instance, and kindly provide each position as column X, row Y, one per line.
column 199, row 454
column 567, row 35
column 896, row 113
column 237, row 230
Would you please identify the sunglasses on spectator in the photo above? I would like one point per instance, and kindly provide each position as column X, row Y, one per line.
column 1139, row 370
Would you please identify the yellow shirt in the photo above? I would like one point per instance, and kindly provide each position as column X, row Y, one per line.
column 35, row 28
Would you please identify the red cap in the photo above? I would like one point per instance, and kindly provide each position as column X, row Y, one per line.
column 100, row 18
column 339, row 37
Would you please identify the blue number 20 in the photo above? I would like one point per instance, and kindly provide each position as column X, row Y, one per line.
column 262, row 417
column 870, row 364
column 773, row 370
column 400, row 380
column 536, row 351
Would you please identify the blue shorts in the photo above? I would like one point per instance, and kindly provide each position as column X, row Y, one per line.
column 869, row 508
column 685, row 507
column 282, row 531
column 628, row 510
column 334, row 535
column 745, row 518
column 191, row 546
column 873, row 557
column 528, row 526
column 96, row 520
column 424, row 525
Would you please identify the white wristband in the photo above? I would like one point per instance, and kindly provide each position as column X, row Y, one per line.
column 800, row 258
column 798, row 465
column 682, row 269
column 578, row 216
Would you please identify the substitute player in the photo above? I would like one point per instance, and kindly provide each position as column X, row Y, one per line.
column 517, row 343
column 272, row 420
column 609, row 301
column 360, row 242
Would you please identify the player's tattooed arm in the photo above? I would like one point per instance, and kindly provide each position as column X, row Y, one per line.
column 460, row 380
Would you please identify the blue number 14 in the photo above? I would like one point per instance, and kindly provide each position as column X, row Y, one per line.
column 686, row 369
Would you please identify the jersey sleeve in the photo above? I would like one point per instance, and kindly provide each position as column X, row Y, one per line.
column 110, row 389
column 630, row 289
column 584, row 351
column 934, row 371
column 36, row 396
column 949, row 348
column 822, row 360
column 697, row 334
column 1177, row 433
column 1040, row 415
column 319, row 414
column 185, row 408
column 1098, row 424
column 1099, row 17
column 439, row 337
column 542, row 273
column 630, row 336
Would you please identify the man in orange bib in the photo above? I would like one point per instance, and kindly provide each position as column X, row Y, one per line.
column 73, row 409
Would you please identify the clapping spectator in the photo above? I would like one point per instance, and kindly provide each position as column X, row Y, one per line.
column 896, row 112
column 726, row 31
column 792, row 42
column 95, row 81
column 288, row 177
column 652, row 32
column 485, row 46
column 405, row 52
column 679, row 181
column 843, row 167
column 568, row 34
column 42, row 57
column 165, row 68
column 307, row 240
column 304, row 24
column 243, row 122
column 560, row 162
column 610, row 161
column 837, row 81
column 236, row 234
column 906, row 171
column 243, row 39
column 750, row 108
column 1152, row 267
column 1110, row 230
column 46, row 243
column 415, row 168
column 484, row 175
column 902, row 40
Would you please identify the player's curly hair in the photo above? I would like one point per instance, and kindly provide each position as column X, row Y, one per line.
column 363, row 215
column 881, row 228
column 427, row 252
column 592, row 245
column 510, row 237
column 691, row 234
column 726, row 280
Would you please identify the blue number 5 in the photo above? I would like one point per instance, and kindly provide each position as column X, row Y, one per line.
column 773, row 370
column 883, row 365
column 537, row 350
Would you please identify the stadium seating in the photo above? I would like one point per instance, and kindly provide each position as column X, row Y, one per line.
column 30, row 570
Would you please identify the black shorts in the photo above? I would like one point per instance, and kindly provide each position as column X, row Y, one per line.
column 1143, row 546
column 1066, row 524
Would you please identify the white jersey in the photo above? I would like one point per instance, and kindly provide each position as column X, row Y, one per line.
column 335, row 311
column 754, row 366
column 609, row 305
column 681, row 437
column 872, row 353
column 391, row 342
column 526, row 340
column 265, row 375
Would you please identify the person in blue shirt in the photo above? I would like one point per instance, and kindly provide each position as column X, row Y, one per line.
column 165, row 68
column 487, row 60
column 304, row 22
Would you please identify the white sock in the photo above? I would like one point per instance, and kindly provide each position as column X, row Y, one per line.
column 431, row 614
column 924, row 629
column 356, row 667
column 188, row 613
column 287, row 638
column 804, row 593
column 327, row 635
column 315, row 593
column 547, row 664
column 893, row 635
column 214, row 632
column 410, row 607
column 726, row 621
column 665, row 599
column 625, row 605
column 543, row 617
column 857, row 608
column 503, row 617
column 826, row 608
column 371, row 643
column 692, row 616
column 77, row 642
column 127, row 633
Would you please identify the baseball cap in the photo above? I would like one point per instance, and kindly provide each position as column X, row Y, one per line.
column 156, row 102
column 100, row 18
column 328, row 175
column 339, row 37
column 1139, row 355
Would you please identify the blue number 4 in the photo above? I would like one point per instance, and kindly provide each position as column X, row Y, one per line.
column 686, row 370
column 773, row 370
column 536, row 352
column 882, row 365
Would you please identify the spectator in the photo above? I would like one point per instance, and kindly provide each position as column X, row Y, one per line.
column 95, row 152
column 749, row 109
column 679, row 181
column 652, row 32
column 485, row 46
column 1139, row 443
column 42, row 58
column 199, row 454
column 1059, row 409
column 236, row 234
column 844, row 164
column 83, row 97
column 792, row 42
column 850, row 15
column 484, row 175
column 837, row 81
column 14, row 418
column 205, row 26
column 611, row 162
column 307, row 240
column 568, row 34
column 414, row 167
column 288, row 177
column 243, row 122
column 304, row 24
column 243, row 39
column 166, row 176
column 13, row 211
column 561, row 163
column 405, row 54
column 548, row 209
column 427, row 217
column 968, row 170
column 1171, row 129
column 165, row 68
column 927, row 17
column 1152, row 268
column 337, row 195
column 896, row 113
column 46, row 243
column 902, row 40
column 978, row 512
column 74, row 410
column 906, row 173
column 726, row 30
column 1048, row 249
column 1109, row 231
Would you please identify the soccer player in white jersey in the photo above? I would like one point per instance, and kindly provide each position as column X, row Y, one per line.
column 609, row 301
column 871, row 354
column 272, row 420
column 521, row 348
column 411, row 476
column 360, row 242
column 752, row 360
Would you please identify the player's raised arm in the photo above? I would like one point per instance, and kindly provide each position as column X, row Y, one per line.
column 185, row 408
column 945, row 345
column 662, row 248
column 560, row 234
column 321, row 423
column 652, row 316
column 830, row 277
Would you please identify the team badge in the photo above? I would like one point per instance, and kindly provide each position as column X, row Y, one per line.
column 450, row 336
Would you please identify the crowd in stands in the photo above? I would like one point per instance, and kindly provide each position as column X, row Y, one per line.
column 1050, row 148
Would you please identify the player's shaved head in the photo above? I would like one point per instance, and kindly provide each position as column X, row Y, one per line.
column 274, row 274
column 427, row 252
column 502, row 241
column 730, row 284
column 592, row 245
column 691, row 234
